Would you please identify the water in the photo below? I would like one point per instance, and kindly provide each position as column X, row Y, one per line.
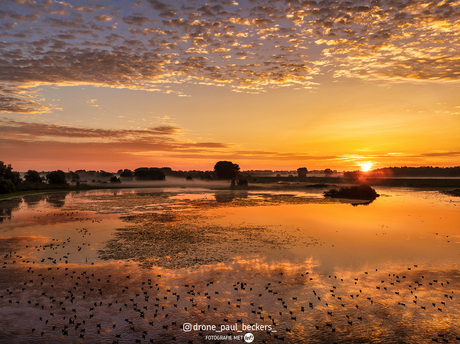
column 136, row 264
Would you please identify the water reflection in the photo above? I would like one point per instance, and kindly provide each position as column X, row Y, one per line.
column 120, row 301
column 8, row 207
column 33, row 200
column 315, row 271
column 56, row 200
column 227, row 197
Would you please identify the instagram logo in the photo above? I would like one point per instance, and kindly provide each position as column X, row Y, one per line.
column 187, row 327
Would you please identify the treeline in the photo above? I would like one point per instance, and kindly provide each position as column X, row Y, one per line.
column 10, row 181
column 424, row 171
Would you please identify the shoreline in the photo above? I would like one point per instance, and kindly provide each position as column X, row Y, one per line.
column 266, row 184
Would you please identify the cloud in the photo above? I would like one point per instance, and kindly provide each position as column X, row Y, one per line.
column 33, row 131
column 57, row 43
column 104, row 18
column 158, row 5
column 16, row 100
column 441, row 154
column 262, row 21
column 136, row 19
column 35, row 141
column 41, row 143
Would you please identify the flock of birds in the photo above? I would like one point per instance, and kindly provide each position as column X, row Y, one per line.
column 48, row 295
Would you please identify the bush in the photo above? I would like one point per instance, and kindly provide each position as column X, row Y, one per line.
column 364, row 192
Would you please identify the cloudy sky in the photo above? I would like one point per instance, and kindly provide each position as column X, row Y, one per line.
column 267, row 84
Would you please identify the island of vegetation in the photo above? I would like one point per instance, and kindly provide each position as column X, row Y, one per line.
column 361, row 192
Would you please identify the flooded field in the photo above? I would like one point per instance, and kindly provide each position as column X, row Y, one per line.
column 202, row 266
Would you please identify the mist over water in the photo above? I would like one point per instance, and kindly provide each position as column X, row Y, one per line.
column 132, row 265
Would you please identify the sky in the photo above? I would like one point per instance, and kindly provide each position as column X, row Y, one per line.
column 266, row 84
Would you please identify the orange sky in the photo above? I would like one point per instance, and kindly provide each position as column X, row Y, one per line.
column 265, row 84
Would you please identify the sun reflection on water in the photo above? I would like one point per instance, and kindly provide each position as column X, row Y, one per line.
column 92, row 269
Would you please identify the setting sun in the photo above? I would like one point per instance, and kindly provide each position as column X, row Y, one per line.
column 366, row 166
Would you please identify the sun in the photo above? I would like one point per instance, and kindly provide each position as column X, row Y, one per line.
column 366, row 166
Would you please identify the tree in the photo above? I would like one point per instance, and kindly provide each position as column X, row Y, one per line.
column 328, row 172
column 6, row 186
column 114, row 179
column 302, row 173
column 74, row 176
column 33, row 177
column 104, row 174
column 7, row 173
column 226, row 170
column 9, row 180
column 145, row 173
column 56, row 177
column 126, row 174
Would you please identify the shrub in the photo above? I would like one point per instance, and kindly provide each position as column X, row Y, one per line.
column 364, row 192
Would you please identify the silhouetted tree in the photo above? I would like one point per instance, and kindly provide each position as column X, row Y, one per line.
column 328, row 171
column 355, row 175
column 104, row 174
column 56, row 177
column 114, row 179
column 126, row 173
column 33, row 177
column 9, row 179
column 226, row 170
column 75, row 177
column 6, row 186
column 422, row 171
column 144, row 173
column 302, row 173
column 7, row 173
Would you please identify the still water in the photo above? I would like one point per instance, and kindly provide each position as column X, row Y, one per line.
column 135, row 265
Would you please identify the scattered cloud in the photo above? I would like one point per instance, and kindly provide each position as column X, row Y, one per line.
column 34, row 131
column 156, row 43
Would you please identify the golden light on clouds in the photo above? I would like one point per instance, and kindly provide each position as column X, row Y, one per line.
column 361, row 76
